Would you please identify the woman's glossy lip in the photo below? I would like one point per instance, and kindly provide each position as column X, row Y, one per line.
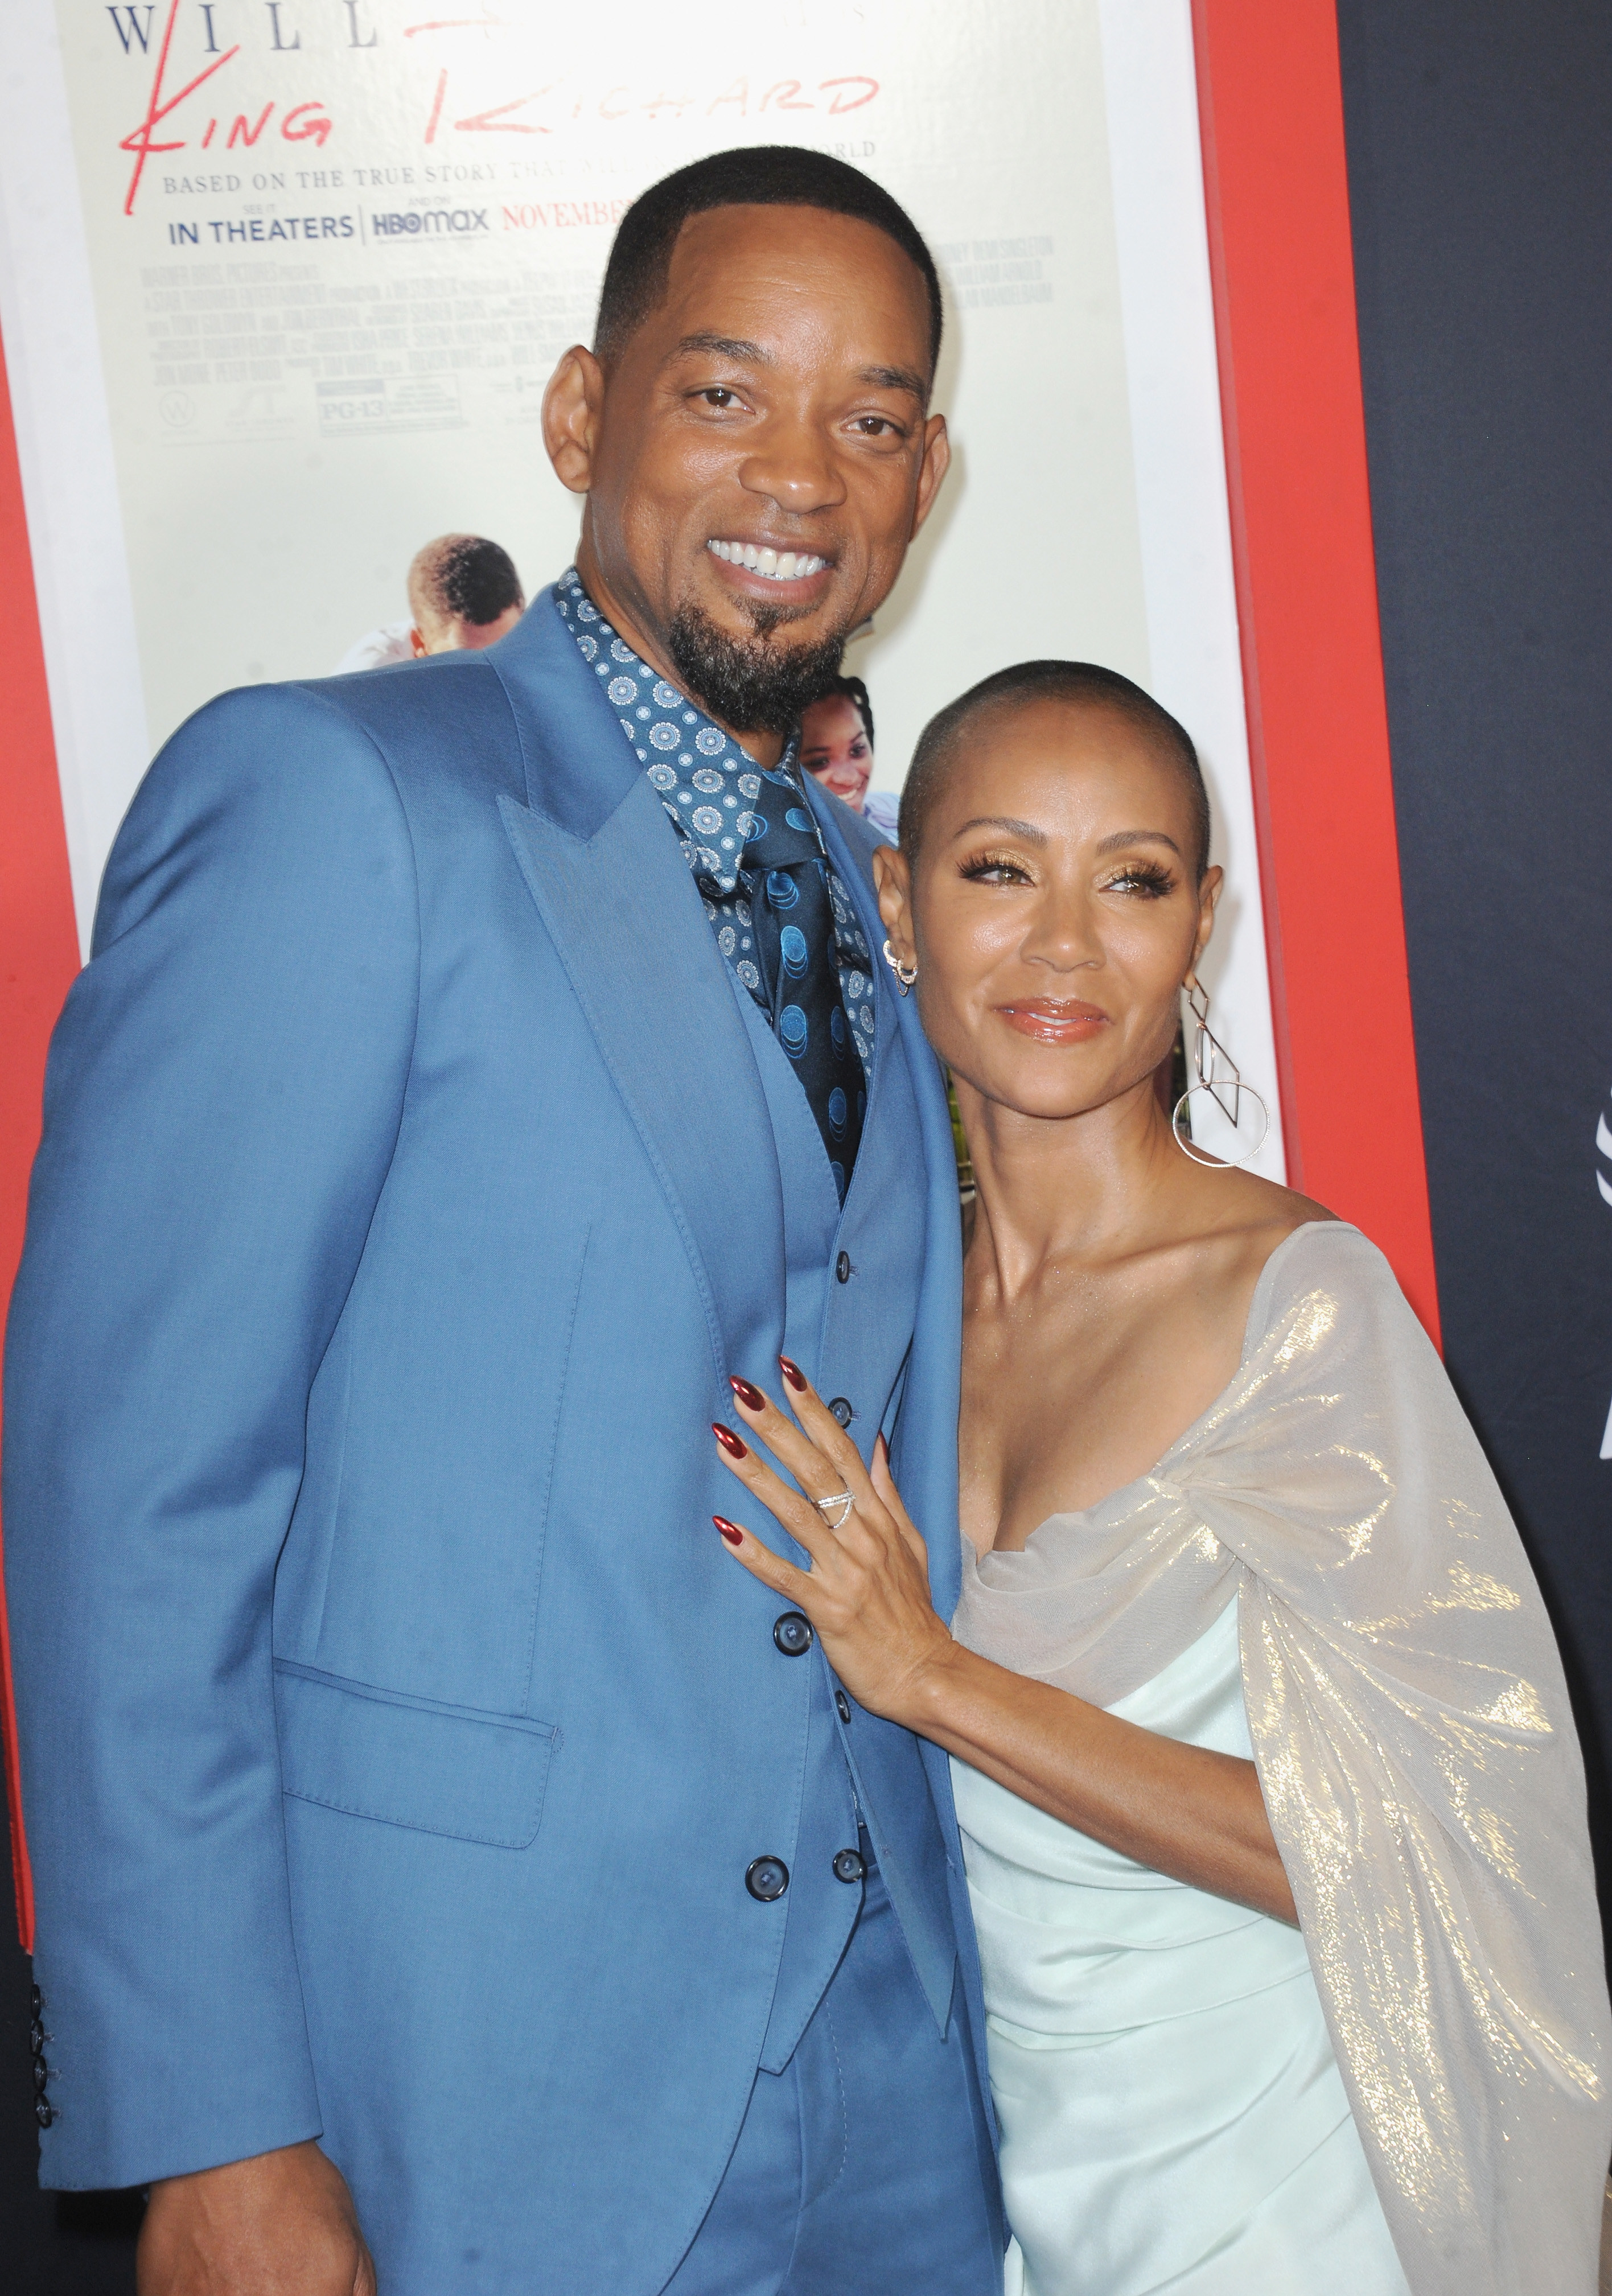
column 1052, row 1020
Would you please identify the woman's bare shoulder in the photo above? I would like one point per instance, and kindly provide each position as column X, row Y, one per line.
column 1254, row 1215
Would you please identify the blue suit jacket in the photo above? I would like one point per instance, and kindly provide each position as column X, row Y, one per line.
column 396, row 1731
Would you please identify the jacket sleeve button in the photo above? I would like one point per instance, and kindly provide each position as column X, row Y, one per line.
column 766, row 1878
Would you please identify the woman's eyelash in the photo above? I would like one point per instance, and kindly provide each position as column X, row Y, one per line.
column 982, row 865
column 1150, row 877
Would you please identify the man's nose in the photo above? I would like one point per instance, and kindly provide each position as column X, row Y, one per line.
column 793, row 463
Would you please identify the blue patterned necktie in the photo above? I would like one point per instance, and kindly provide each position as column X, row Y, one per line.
column 793, row 920
column 783, row 922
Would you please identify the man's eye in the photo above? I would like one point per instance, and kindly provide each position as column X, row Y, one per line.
column 874, row 426
column 718, row 395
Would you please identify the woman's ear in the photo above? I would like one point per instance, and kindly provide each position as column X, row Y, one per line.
column 894, row 882
column 1208, row 897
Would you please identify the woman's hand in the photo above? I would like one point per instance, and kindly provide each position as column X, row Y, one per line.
column 867, row 1594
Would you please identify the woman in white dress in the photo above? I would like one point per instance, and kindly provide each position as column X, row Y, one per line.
column 1268, row 1791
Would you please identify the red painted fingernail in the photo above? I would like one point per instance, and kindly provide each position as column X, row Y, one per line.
column 729, row 1530
column 751, row 1398
column 794, row 1375
column 729, row 1441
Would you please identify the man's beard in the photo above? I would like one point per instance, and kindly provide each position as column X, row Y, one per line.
column 750, row 685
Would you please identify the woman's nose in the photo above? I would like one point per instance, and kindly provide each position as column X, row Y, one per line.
column 1063, row 935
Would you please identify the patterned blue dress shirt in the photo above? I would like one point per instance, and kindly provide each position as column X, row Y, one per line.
column 707, row 783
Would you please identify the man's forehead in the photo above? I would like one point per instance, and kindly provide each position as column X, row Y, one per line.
column 735, row 272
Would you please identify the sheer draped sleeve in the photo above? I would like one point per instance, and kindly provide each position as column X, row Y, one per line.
column 1418, row 1755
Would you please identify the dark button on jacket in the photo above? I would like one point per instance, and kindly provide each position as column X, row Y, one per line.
column 792, row 1634
column 767, row 1878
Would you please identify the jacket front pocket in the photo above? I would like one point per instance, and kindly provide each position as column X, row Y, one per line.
column 411, row 1761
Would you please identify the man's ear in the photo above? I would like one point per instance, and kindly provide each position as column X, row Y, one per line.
column 572, row 408
column 893, row 881
column 931, row 470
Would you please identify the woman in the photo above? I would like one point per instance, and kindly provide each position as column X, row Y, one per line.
column 1269, row 1790
column 836, row 749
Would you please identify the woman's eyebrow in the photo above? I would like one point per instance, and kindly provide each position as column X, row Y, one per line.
column 1024, row 829
column 1137, row 837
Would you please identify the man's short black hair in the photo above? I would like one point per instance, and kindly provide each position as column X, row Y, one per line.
column 1025, row 682
column 463, row 577
column 763, row 175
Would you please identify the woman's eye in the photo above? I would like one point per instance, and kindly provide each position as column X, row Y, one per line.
column 1150, row 882
column 995, row 869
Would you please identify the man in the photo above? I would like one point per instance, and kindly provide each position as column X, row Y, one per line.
column 463, row 594
column 438, row 1844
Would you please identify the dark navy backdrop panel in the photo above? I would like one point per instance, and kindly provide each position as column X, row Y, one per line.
column 1478, row 136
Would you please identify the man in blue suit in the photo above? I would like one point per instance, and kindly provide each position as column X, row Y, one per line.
column 442, row 1854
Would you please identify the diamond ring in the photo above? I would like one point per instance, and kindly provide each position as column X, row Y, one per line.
column 841, row 1499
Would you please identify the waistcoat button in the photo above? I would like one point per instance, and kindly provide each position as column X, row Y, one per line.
column 841, row 1267
column 767, row 1878
column 792, row 1634
column 842, row 1410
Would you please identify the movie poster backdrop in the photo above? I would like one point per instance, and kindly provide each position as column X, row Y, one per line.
column 283, row 281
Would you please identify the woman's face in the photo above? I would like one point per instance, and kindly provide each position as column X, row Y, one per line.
column 836, row 747
column 1054, row 910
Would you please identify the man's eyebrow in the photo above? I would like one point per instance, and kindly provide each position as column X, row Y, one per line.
column 724, row 347
column 1137, row 837
column 1027, row 830
column 895, row 377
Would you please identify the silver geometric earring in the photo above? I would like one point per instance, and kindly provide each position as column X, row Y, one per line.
column 1219, row 1075
column 906, row 974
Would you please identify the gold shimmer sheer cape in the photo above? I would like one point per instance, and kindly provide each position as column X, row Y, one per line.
column 1414, row 1742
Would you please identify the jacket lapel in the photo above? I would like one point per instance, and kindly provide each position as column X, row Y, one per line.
column 605, row 870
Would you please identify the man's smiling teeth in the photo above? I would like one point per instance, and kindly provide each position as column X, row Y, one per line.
column 776, row 566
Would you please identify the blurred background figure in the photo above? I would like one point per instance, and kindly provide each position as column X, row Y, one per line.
column 836, row 749
column 463, row 593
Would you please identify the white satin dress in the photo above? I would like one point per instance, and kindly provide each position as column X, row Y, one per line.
column 1171, row 2113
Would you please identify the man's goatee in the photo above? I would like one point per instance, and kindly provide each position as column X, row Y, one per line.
column 750, row 683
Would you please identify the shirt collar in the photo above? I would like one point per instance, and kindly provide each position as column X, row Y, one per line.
column 706, row 779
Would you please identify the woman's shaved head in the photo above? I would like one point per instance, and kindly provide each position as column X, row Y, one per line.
column 1077, row 685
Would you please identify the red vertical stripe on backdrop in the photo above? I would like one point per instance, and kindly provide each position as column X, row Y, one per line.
column 1276, row 185
column 38, row 957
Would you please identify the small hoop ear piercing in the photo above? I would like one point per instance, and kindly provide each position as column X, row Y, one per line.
column 906, row 974
column 1219, row 1075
